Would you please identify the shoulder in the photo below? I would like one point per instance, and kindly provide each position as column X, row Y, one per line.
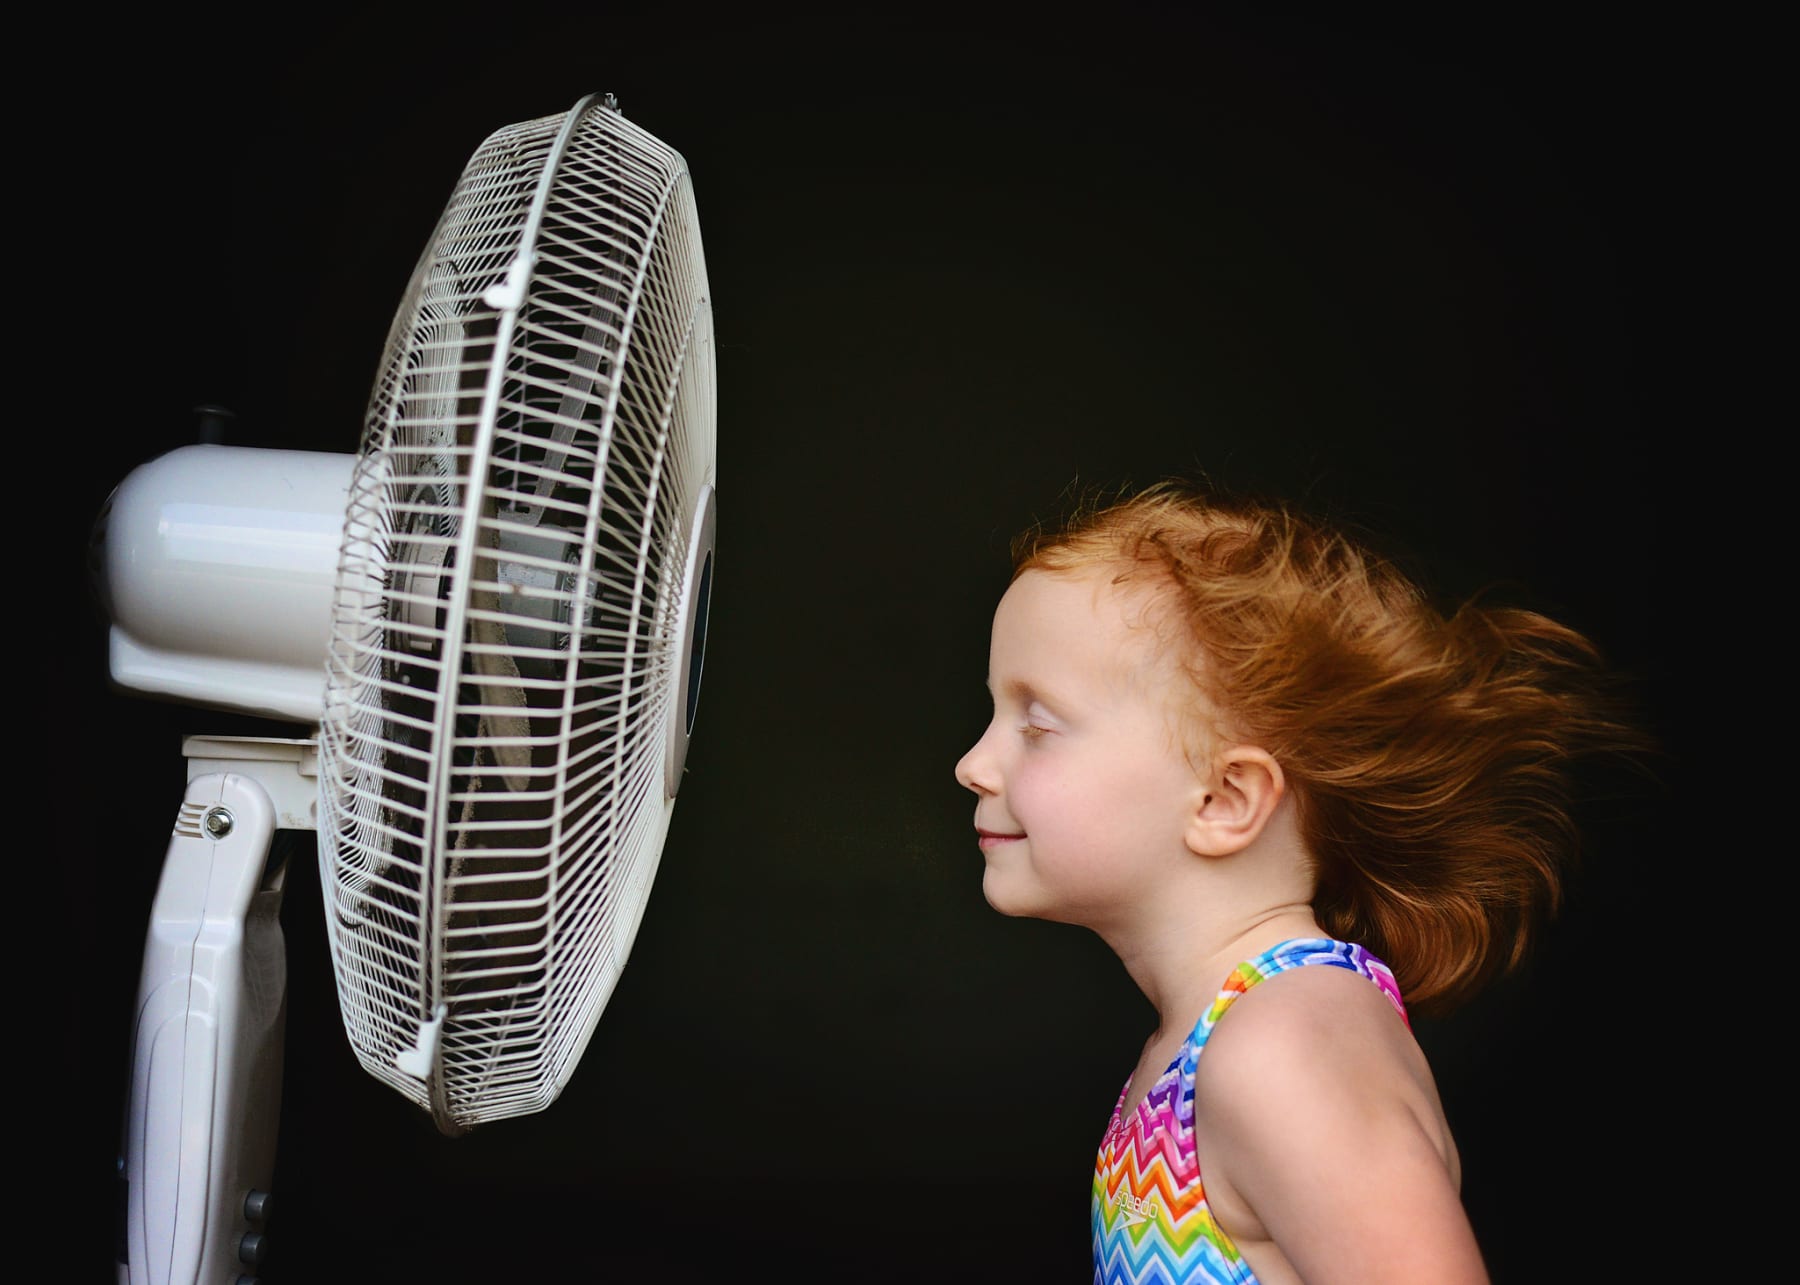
column 1302, row 1013
column 1306, row 1044
column 1310, row 1098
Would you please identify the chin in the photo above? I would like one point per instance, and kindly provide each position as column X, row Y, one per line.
column 993, row 887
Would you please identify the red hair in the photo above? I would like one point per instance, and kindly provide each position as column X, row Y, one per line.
column 1429, row 756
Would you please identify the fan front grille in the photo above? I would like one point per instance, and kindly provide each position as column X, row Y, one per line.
column 505, row 645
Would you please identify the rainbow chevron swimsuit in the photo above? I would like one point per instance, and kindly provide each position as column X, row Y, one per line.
column 1150, row 1220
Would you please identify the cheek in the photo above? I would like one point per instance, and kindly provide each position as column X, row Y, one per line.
column 1056, row 797
column 1105, row 803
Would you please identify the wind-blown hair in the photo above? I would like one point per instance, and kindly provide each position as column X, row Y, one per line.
column 1429, row 756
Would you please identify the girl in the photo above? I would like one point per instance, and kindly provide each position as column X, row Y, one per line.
column 1287, row 792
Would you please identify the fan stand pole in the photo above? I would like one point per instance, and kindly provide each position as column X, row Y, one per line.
column 198, row 1153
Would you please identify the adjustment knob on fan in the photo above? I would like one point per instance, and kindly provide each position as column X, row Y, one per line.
column 215, row 423
column 253, row 1247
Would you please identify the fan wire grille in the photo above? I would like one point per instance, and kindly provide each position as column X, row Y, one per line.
column 504, row 659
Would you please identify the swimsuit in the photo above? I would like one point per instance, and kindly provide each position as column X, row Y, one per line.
column 1150, row 1220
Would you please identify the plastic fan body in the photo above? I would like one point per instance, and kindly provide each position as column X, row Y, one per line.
column 490, row 620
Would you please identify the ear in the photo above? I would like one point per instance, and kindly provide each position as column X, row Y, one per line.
column 1231, row 807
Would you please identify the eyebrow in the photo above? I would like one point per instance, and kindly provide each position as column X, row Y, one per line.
column 1020, row 690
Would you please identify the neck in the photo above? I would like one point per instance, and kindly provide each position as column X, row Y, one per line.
column 1181, row 973
column 1215, row 913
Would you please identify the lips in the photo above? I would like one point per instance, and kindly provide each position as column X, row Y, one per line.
column 988, row 840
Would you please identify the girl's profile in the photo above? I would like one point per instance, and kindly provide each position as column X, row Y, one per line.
column 1299, row 803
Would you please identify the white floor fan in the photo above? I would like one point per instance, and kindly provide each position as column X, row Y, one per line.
column 487, row 625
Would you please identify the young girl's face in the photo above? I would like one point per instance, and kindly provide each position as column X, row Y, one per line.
column 1083, row 791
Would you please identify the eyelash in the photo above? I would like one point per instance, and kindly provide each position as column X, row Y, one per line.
column 1031, row 732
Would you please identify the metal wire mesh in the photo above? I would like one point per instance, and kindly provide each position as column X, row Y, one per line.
column 505, row 644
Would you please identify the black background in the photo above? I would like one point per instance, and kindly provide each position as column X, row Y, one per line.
column 1427, row 277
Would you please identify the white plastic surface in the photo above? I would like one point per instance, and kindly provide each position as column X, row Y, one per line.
column 219, row 569
column 287, row 768
column 207, row 1045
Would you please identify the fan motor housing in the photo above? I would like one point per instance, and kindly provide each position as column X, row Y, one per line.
column 217, row 566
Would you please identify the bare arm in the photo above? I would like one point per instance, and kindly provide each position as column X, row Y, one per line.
column 1323, row 1146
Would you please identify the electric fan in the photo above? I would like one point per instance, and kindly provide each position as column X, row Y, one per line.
column 489, row 622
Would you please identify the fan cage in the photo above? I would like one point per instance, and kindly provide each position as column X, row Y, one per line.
column 505, row 656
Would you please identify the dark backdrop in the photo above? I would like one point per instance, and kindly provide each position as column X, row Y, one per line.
column 1420, row 276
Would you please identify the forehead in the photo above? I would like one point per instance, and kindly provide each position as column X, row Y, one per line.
column 1076, row 625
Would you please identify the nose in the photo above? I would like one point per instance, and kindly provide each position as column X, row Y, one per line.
column 976, row 770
